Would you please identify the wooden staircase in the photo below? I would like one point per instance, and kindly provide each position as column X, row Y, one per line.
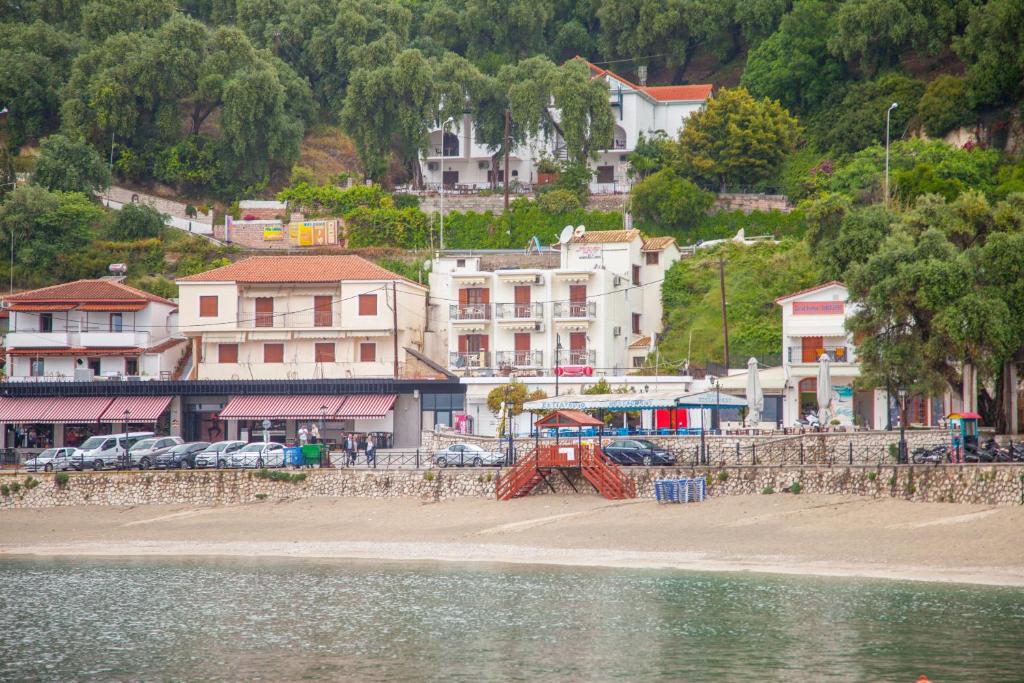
column 520, row 479
column 606, row 477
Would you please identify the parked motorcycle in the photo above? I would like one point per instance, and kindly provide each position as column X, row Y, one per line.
column 934, row 455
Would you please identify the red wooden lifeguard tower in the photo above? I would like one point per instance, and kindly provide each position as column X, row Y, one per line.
column 605, row 476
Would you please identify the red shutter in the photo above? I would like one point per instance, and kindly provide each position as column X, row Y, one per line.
column 485, row 296
column 322, row 316
column 463, row 343
column 324, row 352
column 463, row 296
column 264, row 312
column 367, row 352
column 207, row 307
column 273, row 353
column 227, row 353
column 367, row 304
column 522, row 341
column 578, row 294
column 811, row 349
column 484, row 342
column 522, row 295
column 578, row 341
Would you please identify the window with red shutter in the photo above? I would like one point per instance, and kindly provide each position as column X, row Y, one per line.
column 273, row 353
column 367, row 304
column 264, row 311
column 208, row 306
column 227, row 353
column 636, row 323
column 368, row 352
column 322, row 311
column 323, row 352
column 652, row 258
column 636, row 276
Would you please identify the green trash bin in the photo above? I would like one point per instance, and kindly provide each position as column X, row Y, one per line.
column 311, row 454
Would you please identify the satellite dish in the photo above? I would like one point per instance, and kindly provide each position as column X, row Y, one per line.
column 579, row 231
column 566, row 235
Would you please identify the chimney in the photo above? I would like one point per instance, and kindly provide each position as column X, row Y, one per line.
column 641, row 75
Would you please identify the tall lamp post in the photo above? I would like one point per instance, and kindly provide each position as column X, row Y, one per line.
column 888, row 113
column 558, row 352
column 903, row 426
column 127, row 461
column 323, row 427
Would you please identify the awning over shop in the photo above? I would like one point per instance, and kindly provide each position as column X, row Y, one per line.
column 281, row 407
column 366, row 407
column 76, row 409
column 711, row 399
column 639, row 401
column 22, row 410
column 141, row 409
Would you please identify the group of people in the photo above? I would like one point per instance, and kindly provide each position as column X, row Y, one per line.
column 308, row 434
column 350, row 448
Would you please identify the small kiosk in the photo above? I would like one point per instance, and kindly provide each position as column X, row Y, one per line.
column 963, row 430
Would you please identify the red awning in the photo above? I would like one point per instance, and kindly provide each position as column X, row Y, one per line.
column 141, row 409
column 76, row 409
column 366, row 407
column 280, row 407
column 21, row 410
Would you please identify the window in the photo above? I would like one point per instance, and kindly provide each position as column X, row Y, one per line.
column 131, row 366
column 46, row 322
column 367, row 304
column 367, row 352
column 322, row 313
column 208, row 307
column 273, row 353
column 460, row 263
column 636, row 276
column 36, row 367
column 638, row 361
column 116, row 322
column 652, row 258
column 636, row 323
column 323, row 352
column 264, row 311
column 227, row 353
column 94, row 365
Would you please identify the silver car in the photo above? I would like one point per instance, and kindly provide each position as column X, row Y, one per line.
column 53, row 459
column 216, row 454
column 144, row 453
column 259, row 454
column 467, row 455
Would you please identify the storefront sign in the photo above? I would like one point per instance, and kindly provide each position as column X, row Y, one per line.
column 589, row 252
column 273, row 232
column 818, row 308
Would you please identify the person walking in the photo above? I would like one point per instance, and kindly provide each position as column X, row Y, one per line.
column 371, row 452
column 350, row 450
column 314, row 433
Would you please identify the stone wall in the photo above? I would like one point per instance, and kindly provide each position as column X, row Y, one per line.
column 977, row 484
column 747, row 202
column 171, row 208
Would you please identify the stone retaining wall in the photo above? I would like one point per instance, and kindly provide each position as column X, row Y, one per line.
column 979, row 484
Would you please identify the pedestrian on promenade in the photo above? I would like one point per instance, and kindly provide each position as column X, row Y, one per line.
column 314, row 433
column 303, row 435
column 350, row 450
column 371, row 452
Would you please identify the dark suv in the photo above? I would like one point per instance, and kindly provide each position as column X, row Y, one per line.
column 637, row 452
column 182, row 456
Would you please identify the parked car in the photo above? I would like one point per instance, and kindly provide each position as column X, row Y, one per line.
column 53, row 459
column 637, row 452
column 143, row 453
column 100, row 452
column 258, row 454
column 182, row 456
column 467, row 454
column 216, row 454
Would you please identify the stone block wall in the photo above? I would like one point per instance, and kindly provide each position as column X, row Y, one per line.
column 747, row 202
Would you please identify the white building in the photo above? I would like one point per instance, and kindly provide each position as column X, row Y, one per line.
column 454, row 156
column 91, row 329
column 300, row 317
column 588, row 314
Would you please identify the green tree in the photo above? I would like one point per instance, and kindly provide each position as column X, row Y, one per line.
column 859, row 120
column 670, row 202
column 736, row 140
column 514, row 394
column 945, row 105
column 860, row 233
column 650, row 154
column 137, row 221
column 70, row 166
column 102, row 18
column 993, row 49
column 8, row 177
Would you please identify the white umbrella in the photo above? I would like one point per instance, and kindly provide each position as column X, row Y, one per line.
column 755, row 397
column 824, row 390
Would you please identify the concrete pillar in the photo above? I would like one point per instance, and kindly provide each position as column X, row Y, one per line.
column 1010, row 397
column 176, row 416
column 970, row 389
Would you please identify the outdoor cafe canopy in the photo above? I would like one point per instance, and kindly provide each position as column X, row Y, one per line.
column 641, row 401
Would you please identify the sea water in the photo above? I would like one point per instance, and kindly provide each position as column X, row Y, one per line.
column 292, row 620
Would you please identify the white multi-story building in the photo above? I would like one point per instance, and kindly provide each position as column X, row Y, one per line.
column 91, row 329
column 300, row 317
column 588, row 312
column 455, row 156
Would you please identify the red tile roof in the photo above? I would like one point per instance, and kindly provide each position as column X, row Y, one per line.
column 81, row 291
column 657, row 243
column 606, row 236
column 809, row 290
column 662, row 93
column 296, row 269
column 74, row 351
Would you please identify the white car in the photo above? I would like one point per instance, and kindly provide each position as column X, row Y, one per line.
column 59, row 459
column 259, row 454
column 217, row 454
column 101, row 452
column 467, row 455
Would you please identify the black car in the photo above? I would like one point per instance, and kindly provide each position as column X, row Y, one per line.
column 637, row 452
column 182, row 456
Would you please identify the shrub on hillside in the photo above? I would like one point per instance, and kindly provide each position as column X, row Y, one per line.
column 137, row 222
column 558, row 201
column 859, row 120
column 669, row 201
column 944, row 106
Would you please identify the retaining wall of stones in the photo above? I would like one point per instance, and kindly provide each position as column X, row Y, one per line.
column 981, row 484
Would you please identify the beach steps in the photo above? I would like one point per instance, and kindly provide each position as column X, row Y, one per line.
column 606, row 477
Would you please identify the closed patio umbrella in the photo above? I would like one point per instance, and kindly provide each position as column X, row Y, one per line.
column 824, row 390
column 755, row 397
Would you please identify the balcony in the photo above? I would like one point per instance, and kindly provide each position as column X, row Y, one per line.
column 105, row 339
column 520, row 359
column 469, row 312
column 281, row 320
column 519, row 311
column 469, row 360
column 576, row 357
column 42, row 340
column 619, row 143
column 575, row 310
column 836, row 354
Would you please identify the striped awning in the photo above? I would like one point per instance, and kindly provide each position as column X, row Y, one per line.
column 76, row 409
column 366, row 407
column 21, row 410
column 281, row 407
column 141, row 409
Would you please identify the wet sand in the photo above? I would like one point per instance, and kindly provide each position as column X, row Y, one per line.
column 782, row 533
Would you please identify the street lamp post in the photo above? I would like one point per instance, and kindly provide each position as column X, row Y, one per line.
column 558, row 352
column 903, row 426
column 127, row 462
column 888, row 112
column 323, row 427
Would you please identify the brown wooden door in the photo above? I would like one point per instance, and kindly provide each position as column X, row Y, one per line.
column 811, row 349
column 264, row 312
column 322, row 311
column 578, row 294
column 577, row 348
column 522, row 299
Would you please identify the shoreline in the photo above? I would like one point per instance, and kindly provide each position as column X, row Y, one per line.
column 511, row 555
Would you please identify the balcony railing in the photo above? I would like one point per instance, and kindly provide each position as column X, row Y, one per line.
column 519, row 311
column 279, row 320
column 519, row 359
column 619, row 143
column 836, row 354
column 469, row 312
column 575, row 309
column 469, row 360
column 576, row 357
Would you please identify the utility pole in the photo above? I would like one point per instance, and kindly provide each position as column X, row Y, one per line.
column 558, row 350
column 394, row 321
column 505, row 171
column 725, row 319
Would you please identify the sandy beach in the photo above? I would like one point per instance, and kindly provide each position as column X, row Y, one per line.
column 788, row 534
